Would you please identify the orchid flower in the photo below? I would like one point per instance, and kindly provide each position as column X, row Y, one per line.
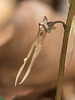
column 43, row 30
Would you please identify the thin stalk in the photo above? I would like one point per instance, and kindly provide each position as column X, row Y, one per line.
column 64, row 49
column 49, row 23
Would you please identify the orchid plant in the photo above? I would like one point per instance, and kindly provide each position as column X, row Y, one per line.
column 48, row 27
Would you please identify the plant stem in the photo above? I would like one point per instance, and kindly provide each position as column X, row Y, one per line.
column 64, row 49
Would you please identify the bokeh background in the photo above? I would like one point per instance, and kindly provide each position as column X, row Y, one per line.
column 19, row 20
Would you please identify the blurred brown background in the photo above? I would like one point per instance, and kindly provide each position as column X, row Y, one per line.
column 19, row 21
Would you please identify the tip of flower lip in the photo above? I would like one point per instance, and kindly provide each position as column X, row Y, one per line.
column 15, row 84
column 20, row 83
column 20, row 70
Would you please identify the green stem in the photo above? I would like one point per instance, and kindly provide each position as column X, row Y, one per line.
column 64, row 49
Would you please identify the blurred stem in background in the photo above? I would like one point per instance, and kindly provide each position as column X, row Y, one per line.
column 64, row 50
